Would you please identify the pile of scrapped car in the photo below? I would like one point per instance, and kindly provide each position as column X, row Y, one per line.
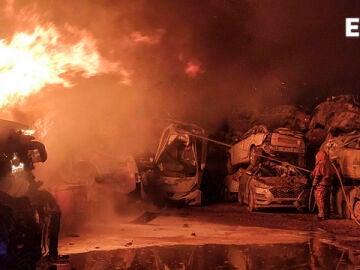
column 271, row 168
column 267, row 161
column 275, row 176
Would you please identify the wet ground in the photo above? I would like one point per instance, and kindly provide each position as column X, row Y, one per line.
column 221, row 236
column 313, row 254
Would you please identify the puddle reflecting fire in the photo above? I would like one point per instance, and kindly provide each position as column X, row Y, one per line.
column 314, row 254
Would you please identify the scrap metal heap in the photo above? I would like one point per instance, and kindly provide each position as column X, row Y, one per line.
column 190, row 167
column 335, row 113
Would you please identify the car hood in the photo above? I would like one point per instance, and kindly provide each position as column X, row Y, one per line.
column 281, row 181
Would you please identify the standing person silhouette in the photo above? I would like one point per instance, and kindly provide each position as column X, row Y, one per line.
column 323, row 178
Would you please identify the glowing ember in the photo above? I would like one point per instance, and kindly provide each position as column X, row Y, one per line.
column 193, row 68
column 31, row 61
column 138, row 37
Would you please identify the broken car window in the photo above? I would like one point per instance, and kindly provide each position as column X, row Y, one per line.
column 178, row 160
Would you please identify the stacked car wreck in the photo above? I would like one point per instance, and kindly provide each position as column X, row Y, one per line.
column 273, row 178
column 268, row 164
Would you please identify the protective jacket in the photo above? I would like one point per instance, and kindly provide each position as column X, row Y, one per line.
column 323, row 172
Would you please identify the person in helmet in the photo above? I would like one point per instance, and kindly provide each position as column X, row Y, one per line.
column 323, row 178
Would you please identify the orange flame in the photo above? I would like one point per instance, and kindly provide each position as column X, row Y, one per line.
column 31, row 61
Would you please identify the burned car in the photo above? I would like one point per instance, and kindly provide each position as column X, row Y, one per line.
column 259, row 140
column 179, row 162
column 344, row 151
column 273, row 185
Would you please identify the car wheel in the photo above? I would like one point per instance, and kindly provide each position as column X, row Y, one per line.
column 251, row 205
column 253, row 156
column 357, row 210
column 345, row 211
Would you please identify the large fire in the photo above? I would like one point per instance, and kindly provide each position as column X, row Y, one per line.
column 33, row 60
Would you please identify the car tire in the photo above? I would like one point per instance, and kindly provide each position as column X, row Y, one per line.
column 251, row 205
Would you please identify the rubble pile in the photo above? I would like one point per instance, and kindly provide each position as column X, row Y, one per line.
column 336, row 113
column 242, row 119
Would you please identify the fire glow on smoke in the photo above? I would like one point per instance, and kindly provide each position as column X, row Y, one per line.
column 33, row 60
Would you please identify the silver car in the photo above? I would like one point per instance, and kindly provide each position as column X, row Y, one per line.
column 273, row 185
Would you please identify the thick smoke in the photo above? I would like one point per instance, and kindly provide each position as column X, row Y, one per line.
column 184, row 60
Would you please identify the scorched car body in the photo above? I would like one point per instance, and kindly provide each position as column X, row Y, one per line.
column 344, row 151
column 179, row 163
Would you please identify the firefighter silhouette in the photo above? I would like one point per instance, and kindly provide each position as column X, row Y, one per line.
column 16, row 151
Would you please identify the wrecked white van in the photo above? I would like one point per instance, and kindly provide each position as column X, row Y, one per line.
column 179, row 162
